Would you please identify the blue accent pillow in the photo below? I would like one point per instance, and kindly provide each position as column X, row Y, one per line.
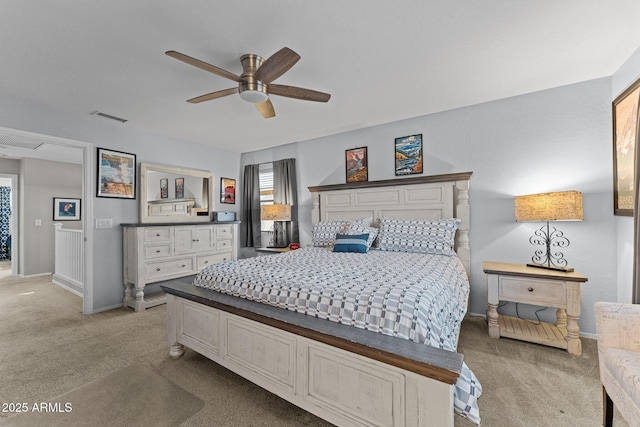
column 351, row 243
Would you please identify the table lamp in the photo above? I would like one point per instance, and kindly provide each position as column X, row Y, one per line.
column 558, row 206
column 276, row 213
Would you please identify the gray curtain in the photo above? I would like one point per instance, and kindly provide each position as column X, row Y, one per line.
column 285, row 191
column 636, row 231
column 250, row 225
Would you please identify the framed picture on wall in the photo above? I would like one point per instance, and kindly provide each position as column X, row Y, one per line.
column 179, row 188
column 164, row 188
column 625, row 141
column 116, row 174
column 66, row 209
column 408, row 153
column 357, row 165
column 227, row 190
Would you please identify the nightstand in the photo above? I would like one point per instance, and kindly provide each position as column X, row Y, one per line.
column 271, row 251
column 537, row 286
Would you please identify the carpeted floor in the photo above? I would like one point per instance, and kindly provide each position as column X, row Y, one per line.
column 48, row 348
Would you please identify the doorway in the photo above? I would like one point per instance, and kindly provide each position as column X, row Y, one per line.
column 18, row 144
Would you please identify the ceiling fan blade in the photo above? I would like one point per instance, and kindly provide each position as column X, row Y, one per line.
column 298, row 93
column 202, row 65
column 266, row 109
column 213, row 95
column 276, row 65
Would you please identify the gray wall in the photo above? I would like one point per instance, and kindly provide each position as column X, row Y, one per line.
column 40, row 182
column 623, row 78
column 22, row 114
column 558, row 139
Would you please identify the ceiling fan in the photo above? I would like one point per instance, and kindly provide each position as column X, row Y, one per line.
column 255, row 83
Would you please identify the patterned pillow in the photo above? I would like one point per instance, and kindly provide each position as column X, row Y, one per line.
column 427, row 237
column 351, row 243
column 324, row 233
column 357, row 228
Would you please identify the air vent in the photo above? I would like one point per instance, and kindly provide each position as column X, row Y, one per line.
column 108, row 116
column 20, row 142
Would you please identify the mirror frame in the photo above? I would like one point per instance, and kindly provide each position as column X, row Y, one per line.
column 143, row 211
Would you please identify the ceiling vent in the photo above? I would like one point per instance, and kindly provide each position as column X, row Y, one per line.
column 108, row 116
column 20, row 142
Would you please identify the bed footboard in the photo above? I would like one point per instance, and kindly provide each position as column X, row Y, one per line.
column 329, row 377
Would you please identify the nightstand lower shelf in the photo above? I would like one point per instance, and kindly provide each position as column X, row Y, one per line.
column 533, row 331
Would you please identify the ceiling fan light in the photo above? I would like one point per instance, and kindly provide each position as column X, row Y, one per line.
column 254, row 92
column 254, row 96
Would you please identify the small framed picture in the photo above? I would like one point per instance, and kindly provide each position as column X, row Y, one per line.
column 408, row 155
column 179, row 188
column 164, row 188
column 356, row 164
column 116, row 174
column 66, row 209
column 228, row 190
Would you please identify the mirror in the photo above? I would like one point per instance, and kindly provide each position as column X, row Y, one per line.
column 174, row 194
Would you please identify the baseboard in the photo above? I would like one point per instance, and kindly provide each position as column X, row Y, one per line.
column 74, row 288
column 111, row 307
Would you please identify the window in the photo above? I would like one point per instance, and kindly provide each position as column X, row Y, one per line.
column 266, row 191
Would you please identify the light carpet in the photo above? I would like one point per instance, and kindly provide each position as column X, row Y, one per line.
column 132, row 396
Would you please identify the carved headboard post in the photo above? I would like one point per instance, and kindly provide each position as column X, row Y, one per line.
column 461, row 201
column 315, row 211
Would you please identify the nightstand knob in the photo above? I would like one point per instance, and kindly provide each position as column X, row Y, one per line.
column 530, row 289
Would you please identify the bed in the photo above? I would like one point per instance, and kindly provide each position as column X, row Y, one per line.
column 343, row 335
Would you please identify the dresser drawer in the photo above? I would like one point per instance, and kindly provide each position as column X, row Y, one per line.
column 172, row 267
column 531, row 291
column 157, row 234
column 224, row 231
column 157, row 251
column 205, row 260
column 223, row 245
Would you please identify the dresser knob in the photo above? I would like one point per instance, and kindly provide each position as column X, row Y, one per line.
column 157, row 234
column 530, row 289
column 157, row 251
column 206, row 262
column 157, row 269
column 183, row 265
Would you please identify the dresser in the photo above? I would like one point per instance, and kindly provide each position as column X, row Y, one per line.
column 158, row 252
column 531, row 285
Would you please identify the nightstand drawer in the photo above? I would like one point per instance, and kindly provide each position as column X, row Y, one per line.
column 531, row 291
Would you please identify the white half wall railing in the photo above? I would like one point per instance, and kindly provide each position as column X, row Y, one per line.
column 69, row 259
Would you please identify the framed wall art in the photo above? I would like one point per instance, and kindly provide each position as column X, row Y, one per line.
column 408, row 153
column 179, row 188
column 356, row 164
column 227, row 190
column 625, row 141
column 116, row 174
column 164, row 188
column 65, row 209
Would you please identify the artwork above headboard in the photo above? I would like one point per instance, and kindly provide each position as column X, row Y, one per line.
column 425, row 198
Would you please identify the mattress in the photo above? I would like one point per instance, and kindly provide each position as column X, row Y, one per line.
column 418, row 297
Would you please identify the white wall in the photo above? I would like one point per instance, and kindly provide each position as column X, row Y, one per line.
column 21, row 114
column 559, row 139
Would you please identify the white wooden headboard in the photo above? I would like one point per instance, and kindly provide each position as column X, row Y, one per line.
column 425, row 197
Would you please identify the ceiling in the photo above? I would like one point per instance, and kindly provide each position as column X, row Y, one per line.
column 381, row 61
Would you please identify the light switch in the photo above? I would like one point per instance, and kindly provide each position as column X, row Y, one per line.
column 38, row 222
column 104, row 223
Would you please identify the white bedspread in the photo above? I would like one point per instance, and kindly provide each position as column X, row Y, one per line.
column 422, row 298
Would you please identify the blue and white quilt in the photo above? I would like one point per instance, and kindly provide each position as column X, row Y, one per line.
column 419, row 297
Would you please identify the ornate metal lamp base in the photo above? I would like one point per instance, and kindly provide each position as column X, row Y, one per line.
column 549, row 237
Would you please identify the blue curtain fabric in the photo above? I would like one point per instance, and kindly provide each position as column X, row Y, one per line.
column 5, row 232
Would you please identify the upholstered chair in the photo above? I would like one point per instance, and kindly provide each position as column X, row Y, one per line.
column 618, row 327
